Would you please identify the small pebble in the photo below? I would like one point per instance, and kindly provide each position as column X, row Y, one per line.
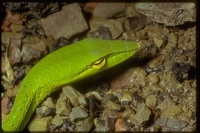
column 172, row 111
column 4, row 102
column 77, row 113
column 142, row 114
column 126, row 97
column 49, row 103
column 40, row 124
column 57, row 121
column 176, row 124
column 46, row 108
column 112, row 9
column 97, row 95
column 173, row 38
column 112, row 106
column 166, row 103
column 67, row 126
column 115, row 27
column 110, row 123
column 75, row 97
column 119, row 126
column 63, row 106
column 139, row 77
column 128, row 112
column 84, row 125
column 158, row 41
column 161, row 121
column 153, row 78
column 99, row 125
column 151, row 101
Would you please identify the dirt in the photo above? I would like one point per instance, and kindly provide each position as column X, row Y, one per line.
column 154, row 91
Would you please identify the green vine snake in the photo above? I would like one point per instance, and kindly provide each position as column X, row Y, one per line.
column 63, row 67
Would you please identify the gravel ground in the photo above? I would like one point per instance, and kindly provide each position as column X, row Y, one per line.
column 155, row 91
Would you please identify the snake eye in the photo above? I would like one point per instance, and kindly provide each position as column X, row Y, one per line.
column 99, row 63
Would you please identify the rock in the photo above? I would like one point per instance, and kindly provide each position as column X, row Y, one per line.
column 12, row 92
column 43, row 111
column 84, row 125
column 153, row 78
column 180, row 70
column 101, row 32
column 134, row 20
column 126, row 97
column 158, row 32
column 4, row 105
column 157, row 61
column 77, row 113
column 117, row 93
column 109, row 9
column 15, row 34
column 99, row 125
column 176, row 124
column 170, row 14
column 188, row 38
column 136, row 23
column 153, row 128
column 65, row 23
column 63, row 107
column 37, row 43
column 103, row 88
column 75, row 97
column 14, row 51
column 173, row 38
column 95, row 94
column 7, row 101
column 94, row 106
column 142, row 114
column 110, row 123
column 114, row 26
column 67, row 126
column 128, row 112
column 168, row 102
column 89, row 6
column 16, row 27
column 172, row 111
column 139, row 77
column 3, row 117
column 108, row 97
column 29, row 53
column 112, row 106
column 171, row 124
column 188, row 129
column 33, row 48
column 40, row 124
column 57, row 121
column 158, row 41
column 131, row 11
column 162, row 121
column 111, row 113
column 46, row 108
column 120, row 126
column 151, row 101
column 49, row 103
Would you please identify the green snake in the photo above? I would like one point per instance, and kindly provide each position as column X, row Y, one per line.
column 63, row 67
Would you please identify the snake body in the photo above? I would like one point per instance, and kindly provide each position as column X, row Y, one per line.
column 63, row 67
